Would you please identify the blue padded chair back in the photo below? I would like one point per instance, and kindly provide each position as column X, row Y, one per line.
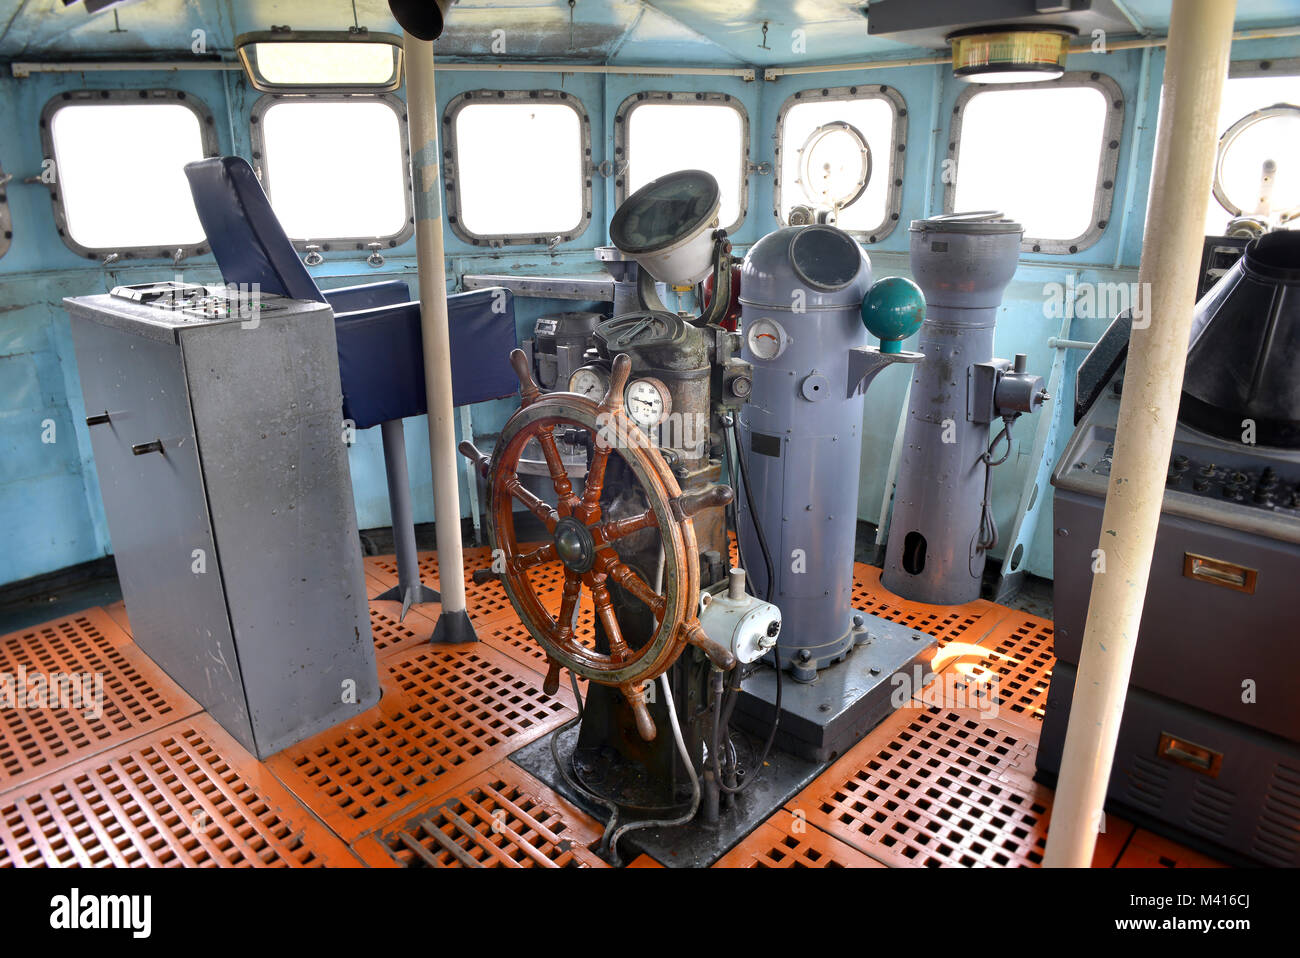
column 247, row 239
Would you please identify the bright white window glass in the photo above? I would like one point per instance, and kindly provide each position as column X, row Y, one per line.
column 120, row 174
column 1276, row 139
column 334, row 169
column 873, row 117
column 1033, row 154
column 663, row 138
column 519, row 169
column 325, row 64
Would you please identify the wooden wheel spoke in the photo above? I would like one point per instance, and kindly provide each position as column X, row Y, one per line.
column 528, row 560
column 559, row 475
column 633, row 583
column 618, row 650
column 589, row 511
column 569, row 602
column 615, row 529
column 548, row 516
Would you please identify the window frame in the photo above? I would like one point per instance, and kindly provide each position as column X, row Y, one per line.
column 897, row 154
column 334, row 243
column 622, row 139
column 1112, row 139
column 451, row 161
column 6, row 222
column 246, row 41
column 136, row 97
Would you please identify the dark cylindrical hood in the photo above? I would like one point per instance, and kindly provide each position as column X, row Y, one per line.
column 1243, row 365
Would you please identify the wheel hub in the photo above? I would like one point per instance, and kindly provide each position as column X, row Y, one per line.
column 574, row 545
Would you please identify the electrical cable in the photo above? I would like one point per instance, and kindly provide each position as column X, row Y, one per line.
column 690, row 770
column 988, row 525
column 715, row 744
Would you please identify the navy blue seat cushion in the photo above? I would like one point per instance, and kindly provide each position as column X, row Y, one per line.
column 381, row 358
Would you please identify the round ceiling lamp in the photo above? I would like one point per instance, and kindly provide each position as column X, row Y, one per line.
column 1010, row 54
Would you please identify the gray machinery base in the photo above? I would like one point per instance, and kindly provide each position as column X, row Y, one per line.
column 693, row 845
column 857, row 695
column 822, row 719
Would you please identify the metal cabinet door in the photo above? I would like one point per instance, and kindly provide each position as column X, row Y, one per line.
column 158, row 515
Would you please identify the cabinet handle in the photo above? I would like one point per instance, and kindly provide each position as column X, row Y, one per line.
column 144, row 448
column 98, row 420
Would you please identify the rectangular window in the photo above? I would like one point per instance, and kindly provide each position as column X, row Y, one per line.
column 661, row 133
column 519, row 167
column 1044, row 154
column 117, row 174
column 823, row 163
column 335, row 168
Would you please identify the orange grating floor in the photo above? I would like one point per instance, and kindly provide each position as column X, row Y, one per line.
column 424, row 779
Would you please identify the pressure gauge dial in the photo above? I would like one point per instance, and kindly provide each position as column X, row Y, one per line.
column 766, row 339
column 648, row 402
column 589, row 381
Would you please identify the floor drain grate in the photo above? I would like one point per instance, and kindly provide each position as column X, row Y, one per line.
column 500, row 818
column 183, row 795
column 785, row 841
column 136, row 695
column 447, row 713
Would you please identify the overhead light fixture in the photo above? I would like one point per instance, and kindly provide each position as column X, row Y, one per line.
column 1010, row 54
column 282, row 60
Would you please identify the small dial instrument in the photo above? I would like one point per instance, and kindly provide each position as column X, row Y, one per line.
column 648, row 402
column 589, row 381
column 766, row 339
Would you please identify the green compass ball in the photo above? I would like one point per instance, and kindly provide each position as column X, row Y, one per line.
column 893, row 310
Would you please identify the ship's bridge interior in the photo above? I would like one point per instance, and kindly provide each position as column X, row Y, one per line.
column 657, row 433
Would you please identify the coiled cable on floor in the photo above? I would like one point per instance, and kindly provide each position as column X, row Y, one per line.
column 690, row 770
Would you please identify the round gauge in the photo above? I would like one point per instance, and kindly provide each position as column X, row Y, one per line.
column 589, row 381
column 648, row 402
column 766, row 339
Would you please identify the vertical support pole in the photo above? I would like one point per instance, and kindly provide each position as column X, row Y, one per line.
column 422, row 111
column 1200, row 40
column 409, row 589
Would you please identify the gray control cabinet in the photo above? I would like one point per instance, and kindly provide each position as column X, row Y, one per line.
column 221, row 458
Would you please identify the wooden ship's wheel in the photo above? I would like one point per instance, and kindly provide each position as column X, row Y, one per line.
column 584, row 542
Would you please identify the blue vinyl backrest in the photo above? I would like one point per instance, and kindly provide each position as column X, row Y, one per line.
column 247, row 239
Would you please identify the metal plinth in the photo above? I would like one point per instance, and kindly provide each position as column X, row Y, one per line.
column 693, row 845
column 824, row 718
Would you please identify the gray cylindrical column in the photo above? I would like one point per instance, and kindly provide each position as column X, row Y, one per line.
column 801, row 310
column 963, row 263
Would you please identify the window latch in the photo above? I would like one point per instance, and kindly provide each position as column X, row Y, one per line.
column 313, row 257
column 376, row 258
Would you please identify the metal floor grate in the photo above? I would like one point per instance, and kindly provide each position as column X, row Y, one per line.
column 1019, row 657
column 934, row 787
column 486, row 601
column 447, row 713
column 502, row 818
column 394, row 636
column 784, row 841
column 137, row 695
column 183, row 795
column 969, row 622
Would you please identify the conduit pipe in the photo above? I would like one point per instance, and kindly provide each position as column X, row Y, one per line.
column 1196, row 66
column 426, row 183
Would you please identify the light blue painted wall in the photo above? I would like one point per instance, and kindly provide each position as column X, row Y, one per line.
column 50, row 510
